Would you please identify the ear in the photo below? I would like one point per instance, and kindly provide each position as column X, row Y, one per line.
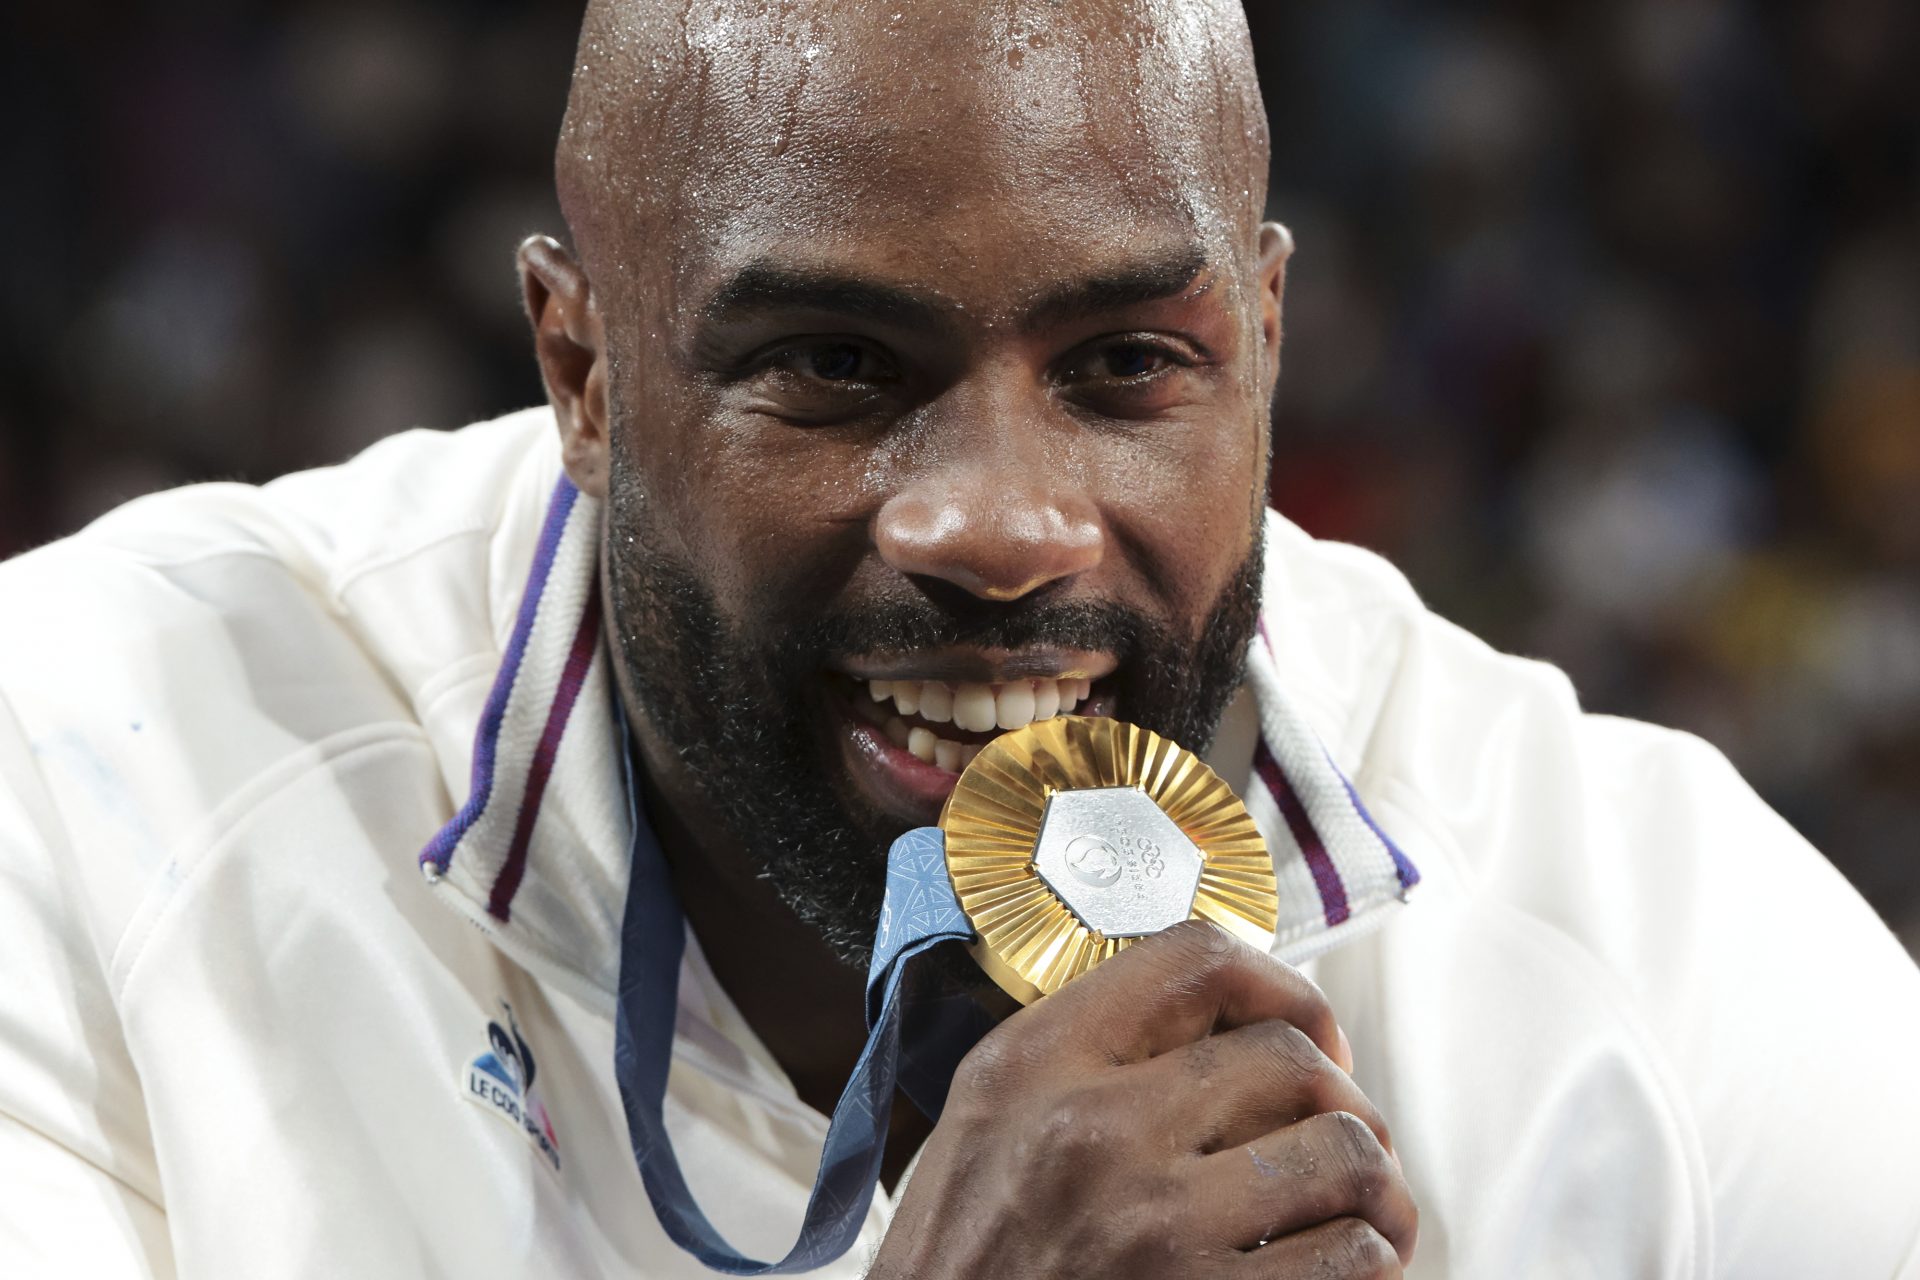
column 1276, row 247
column 570, row 344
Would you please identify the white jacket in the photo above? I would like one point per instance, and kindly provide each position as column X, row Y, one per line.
column 1627, row 1024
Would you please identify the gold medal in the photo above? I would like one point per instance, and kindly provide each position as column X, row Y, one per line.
column 1071, row 838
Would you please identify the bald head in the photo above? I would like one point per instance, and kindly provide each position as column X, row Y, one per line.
column 695, row 127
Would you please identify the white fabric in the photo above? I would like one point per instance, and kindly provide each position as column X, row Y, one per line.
column 1628, row 1024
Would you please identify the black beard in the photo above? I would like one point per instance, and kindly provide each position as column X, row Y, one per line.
column 748, row 722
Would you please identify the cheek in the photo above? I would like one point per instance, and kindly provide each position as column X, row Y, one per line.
column 1186, row 511
column 754, row 508
column 775, row 515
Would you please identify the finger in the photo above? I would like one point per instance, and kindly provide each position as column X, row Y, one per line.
column 1327, row 1167
column 1243, row 1084
column 1179, row 985
column 1344, row 1249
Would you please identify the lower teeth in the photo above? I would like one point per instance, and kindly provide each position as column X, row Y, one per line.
column 929, row 746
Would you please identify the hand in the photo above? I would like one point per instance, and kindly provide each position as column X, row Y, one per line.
column 1182, row 1110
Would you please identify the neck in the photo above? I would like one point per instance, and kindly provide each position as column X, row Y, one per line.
column 804, row 1002
column 799, row 998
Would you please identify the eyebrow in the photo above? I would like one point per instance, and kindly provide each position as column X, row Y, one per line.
column 763, row 286
column 1151, row 280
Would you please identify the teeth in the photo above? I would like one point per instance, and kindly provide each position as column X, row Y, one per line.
column 1046, row 699
column 1073, row 693
column 977, row 708
column 940, row 752
column 936, row 702
column 1014, row 707
column 922, row 743
column 973, row 708
column 896, row 731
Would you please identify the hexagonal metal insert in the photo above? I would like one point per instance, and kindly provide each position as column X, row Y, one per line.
column 1117, row 861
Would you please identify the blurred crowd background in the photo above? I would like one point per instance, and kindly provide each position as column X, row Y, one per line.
column 1605, row 323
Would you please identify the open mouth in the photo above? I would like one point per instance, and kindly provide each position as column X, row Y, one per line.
column 910, row 738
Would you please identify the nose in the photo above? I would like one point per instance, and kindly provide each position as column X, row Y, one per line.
column 995, row 519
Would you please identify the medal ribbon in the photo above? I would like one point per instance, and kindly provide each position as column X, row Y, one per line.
column 919, row 911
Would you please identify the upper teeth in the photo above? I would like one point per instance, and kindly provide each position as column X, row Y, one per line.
column 981, row 707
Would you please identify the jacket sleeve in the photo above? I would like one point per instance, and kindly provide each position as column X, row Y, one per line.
column 79, row 1190
column 1789, row 1012
column 1767, row 1017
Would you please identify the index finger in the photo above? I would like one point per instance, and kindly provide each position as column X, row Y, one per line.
column 1183, row 984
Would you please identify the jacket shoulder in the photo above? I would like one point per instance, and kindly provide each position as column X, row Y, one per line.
column 1640, row 851
column 186, row 643
column 330, row 524
column 1597, row 825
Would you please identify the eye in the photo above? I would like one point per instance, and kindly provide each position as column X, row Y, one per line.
column 1124, row 362
column 1136, row 375
column 1129, row 360
column 819, row 380
column 835, row 362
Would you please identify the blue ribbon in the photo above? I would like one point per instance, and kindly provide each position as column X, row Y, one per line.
column 919, row 911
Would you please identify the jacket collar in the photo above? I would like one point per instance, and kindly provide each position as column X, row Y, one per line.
column 537, row 852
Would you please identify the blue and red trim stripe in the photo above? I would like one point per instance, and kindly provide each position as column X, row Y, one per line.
column 438, row 854
column 1327, row 880
column 586, row 642
column 1403, row 867
column 1326, row 877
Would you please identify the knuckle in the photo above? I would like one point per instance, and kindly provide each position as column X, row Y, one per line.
column 1315, row 1012
column 1199, row 949
column 1368, row 1184
column 1331, row 1090
column 1366, row 1171
column 1298, row 1072
column 1298, row 1058
column 1363, row 1253
column 1202, row 935
column 1354, row 1148
column 985, row 1071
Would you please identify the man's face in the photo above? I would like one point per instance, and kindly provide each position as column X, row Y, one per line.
column 936, row 403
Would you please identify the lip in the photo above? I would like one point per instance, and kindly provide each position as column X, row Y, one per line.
column 901, row 784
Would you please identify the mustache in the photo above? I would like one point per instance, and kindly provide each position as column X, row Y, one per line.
column 887, row 627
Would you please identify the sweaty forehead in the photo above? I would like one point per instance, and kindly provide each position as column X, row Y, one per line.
column 710, row 133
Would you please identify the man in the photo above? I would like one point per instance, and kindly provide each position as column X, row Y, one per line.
column 909, row 381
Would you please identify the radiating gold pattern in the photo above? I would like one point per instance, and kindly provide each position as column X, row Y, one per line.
column 1026, row 938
